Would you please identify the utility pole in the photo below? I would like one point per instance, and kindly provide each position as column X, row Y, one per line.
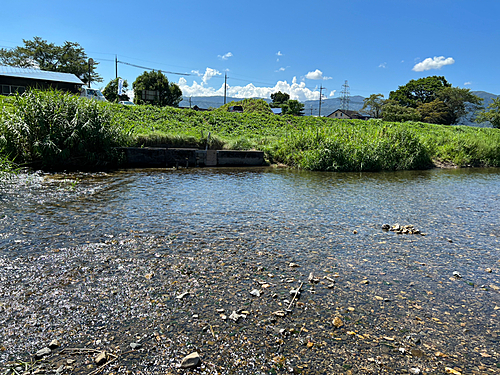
column 116, row 66
column 225, row 85
column 91, row 63
column 320, row 97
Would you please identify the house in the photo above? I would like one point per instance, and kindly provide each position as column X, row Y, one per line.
column 17, row 80
column 348, row 115
column 236, row 108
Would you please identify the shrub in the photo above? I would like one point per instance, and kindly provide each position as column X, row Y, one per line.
column 55, row 130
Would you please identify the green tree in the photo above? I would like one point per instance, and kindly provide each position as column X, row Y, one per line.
column 295, row 108
column 491, row 114
column 458, row 102
column 392, row 111
column 110, row 92
column 373, row 105
column 435, row 112
column 415, row 92
column 168, row 94
column 68, row 58
column 278, row 99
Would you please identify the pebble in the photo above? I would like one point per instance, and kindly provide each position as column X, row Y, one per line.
column 337, row 322
column 294, row 265
column 415, row 370
column 255, row 292
column 43, row 352
column 312, row 279
column 190, row 361
column 457, row 274
column 54, row 344
column 182, row 295
column 235, row 316
column 100, row 359
column 135, row 345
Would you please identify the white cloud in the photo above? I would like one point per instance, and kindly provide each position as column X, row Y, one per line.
column 317, row 74
column 467, row 83
column 332, row 94
column 209, row 73
column 435, row 63
column 279, row 53
column 226, row 56
column 383, row 65
column 297, row 91
column 196, row 72
column 281, row 69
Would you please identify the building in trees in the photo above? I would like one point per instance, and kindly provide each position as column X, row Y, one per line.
column 17, row 80
column 347, row 115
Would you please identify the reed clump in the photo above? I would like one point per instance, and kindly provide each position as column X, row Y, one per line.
column 55, row 130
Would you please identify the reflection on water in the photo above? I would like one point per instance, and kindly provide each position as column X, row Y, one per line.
column 41, row 212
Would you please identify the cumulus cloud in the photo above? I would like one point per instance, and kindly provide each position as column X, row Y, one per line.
column 279, row 53
column 332, row 93
column 435, row 63
column 467, row 83
column 209, row 73
column 226, row 56
column 297, row 91
column 383, row 65
column 317, row 74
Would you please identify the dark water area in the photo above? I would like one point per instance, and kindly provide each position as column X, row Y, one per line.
column 328, row 223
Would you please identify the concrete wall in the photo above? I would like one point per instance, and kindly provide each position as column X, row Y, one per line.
column 189, row 157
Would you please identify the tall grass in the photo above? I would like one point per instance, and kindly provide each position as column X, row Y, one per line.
column 55, row 130
column 352, row 146
column 7, row 168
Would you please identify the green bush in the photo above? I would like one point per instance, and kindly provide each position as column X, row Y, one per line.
column 55, row 130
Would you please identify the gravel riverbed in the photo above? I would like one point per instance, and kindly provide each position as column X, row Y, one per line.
column 149, row 301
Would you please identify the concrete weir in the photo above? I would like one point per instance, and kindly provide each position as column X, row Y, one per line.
column 157, row 157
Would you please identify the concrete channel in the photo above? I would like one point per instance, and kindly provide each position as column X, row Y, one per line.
column 157, row 157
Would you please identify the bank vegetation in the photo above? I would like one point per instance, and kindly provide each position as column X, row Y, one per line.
column 51, row 130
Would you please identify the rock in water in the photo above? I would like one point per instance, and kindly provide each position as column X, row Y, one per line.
column 255, row 293
column 192, row 360
column 54, row 344
column 235, row 316
column 42, row 353
column 337, row 322
column 100, row 359
column 135, row 345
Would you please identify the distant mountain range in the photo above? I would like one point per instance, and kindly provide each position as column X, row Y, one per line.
column 311, row 107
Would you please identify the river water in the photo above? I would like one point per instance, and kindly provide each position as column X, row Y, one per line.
column 324, row 222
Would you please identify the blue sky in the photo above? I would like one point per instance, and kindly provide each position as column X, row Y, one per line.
column 266, row 46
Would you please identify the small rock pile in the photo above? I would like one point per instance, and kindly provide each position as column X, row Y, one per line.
column 402, row 229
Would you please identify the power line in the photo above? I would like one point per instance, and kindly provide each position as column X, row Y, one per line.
column 147, row 68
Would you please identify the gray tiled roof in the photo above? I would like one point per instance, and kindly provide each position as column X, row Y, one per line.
column 38, row 74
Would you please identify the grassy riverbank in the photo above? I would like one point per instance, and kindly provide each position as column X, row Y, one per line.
column 51, row 130
column 316, row 143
